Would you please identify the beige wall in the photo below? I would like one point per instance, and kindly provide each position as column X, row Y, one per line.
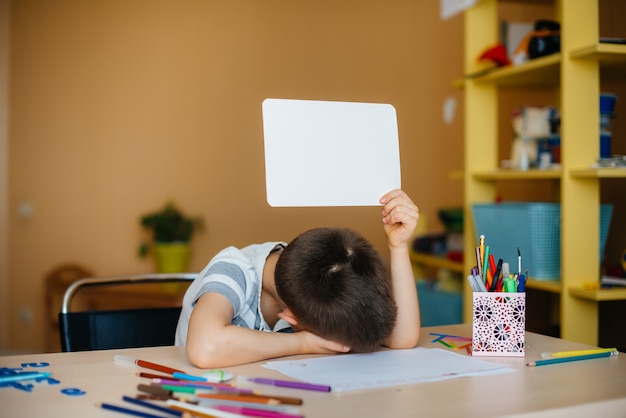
column 119, row 105
column 4, row 114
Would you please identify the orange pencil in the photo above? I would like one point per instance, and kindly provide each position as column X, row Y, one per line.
column 282, row 399
column 240, row 398
column 489, row 279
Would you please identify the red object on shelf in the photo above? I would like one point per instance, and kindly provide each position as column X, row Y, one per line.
column 496, row 54
column 455, row 256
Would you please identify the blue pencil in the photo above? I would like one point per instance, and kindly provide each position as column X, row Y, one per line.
column 548, row 361
column 24, row 376
column 128, row 411
column 152, row 406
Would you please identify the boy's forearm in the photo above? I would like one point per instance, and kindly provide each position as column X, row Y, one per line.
column 406, row 331
column 238, row 345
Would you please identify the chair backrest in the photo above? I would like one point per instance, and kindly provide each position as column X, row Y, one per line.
column 121, row 328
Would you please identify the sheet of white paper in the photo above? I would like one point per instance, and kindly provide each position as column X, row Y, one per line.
column 385, row 368
column 449, row 8
column 322, row 153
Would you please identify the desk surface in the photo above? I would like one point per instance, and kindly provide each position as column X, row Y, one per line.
column 575, row 388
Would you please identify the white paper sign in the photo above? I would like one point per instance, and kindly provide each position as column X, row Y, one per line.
column 451, row 8
column 323, row 153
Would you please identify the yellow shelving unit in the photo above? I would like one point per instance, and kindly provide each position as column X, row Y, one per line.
column 435, row 261
column 576, row 73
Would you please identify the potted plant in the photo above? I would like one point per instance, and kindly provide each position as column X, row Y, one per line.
column 171, row 232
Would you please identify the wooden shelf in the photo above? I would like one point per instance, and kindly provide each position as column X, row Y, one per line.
column 611, row 58
column 509, row 174
column 604, row 53
column 600, row 295
column 599, row 173
column 543, row 71
column 436, row 261
column 546, row 286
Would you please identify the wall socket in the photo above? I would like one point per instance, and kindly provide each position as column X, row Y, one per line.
column 26, row 316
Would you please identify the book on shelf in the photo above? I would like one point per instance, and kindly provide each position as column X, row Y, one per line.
column 613, row 281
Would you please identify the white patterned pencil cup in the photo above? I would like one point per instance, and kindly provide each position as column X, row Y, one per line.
column 498, row 324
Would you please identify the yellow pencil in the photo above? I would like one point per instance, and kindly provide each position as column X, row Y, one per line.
column 579, row 352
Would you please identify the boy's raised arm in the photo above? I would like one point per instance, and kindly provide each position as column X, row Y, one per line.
column 400, row 217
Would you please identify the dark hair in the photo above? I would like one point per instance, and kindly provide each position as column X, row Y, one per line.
column 337, row 286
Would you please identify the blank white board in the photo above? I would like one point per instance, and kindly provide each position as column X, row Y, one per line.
column 324, row 153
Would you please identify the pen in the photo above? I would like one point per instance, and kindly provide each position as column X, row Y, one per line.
column 496, row 276
column 289, row 384
column 481, row 248
column 521, row 283
column 472, row 282
column 519, row 261
column 486, row 263
column 509, row 285
column 24, row 376
column 579, row 352
column 479, row 262
column 481, row 285
column 548, row 361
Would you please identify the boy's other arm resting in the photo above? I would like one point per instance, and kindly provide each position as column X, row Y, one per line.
column 213, row 342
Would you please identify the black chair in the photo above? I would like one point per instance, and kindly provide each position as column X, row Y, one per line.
column 126, row 328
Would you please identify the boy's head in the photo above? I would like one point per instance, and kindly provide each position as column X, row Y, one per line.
column 336, row 285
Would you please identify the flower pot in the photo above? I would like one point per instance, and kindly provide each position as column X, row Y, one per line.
column 172, row 258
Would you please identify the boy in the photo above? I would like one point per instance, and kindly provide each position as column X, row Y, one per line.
column 328, row 285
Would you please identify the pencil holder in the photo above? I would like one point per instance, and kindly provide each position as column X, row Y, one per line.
column 498, row 324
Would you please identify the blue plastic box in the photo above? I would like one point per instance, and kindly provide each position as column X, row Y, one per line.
column 438, row 307
column 534, row 228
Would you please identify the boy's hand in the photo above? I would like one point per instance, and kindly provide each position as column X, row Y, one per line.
column 400, row 217
column 315, row 344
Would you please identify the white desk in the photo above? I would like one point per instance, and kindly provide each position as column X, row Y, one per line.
column 585, row 388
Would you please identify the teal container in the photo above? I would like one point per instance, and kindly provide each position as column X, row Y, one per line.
column 534, row 228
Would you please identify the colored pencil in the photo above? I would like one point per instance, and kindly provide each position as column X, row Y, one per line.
column 252, row 412
column 156, row 376
column 239, row 398
column 546, row 362
column 289, row 384
column 154, row 390
column 128, row 411
column 200, row 411
column 24, row 376
column 289, row 409
column 146, row 397
column 203, row 385
column 150, row 405
column 285, row 400
column 579, row 352
column 147, row 364
column 444, row 343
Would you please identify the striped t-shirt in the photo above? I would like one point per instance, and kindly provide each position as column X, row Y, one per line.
column 237, row 274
